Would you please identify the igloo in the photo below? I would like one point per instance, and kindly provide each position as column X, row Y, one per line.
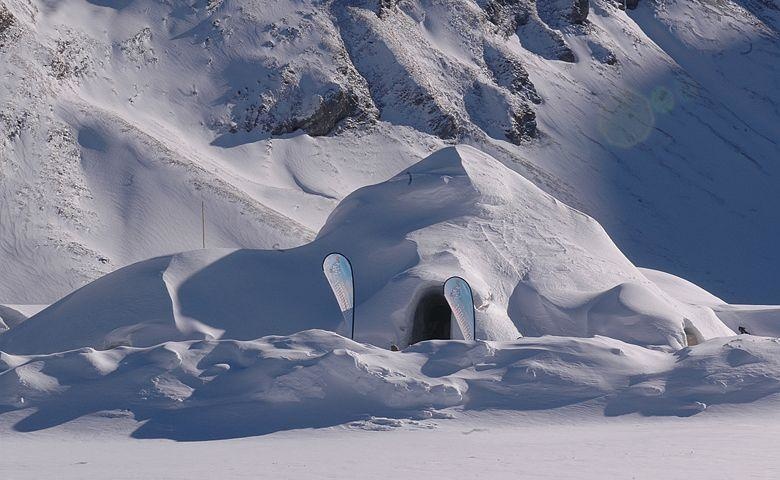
column 536, row 267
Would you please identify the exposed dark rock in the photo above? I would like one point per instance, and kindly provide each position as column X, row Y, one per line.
column 334, row 107
column 565, row 53
column 509, row 72
column 498, row 114
column 602, row 54
column 70, row 59
column 13, row 124
column 395, row 88
column 446, row 126
column 6, row 21
column 579, row 11
column 523, row 125
column 523, row 17
column 507, row 15
column 385, row 6
column 560, row 13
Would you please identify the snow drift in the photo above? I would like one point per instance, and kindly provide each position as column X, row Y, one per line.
column 212, row 389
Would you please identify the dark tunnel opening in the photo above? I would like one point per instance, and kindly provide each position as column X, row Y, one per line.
column 432, row 318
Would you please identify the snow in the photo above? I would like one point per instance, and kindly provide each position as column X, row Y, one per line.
column 13, row 315
column 573, row 172
column 200, row 390
column 536, row 445
column 212, row 344
column 536, row 267
column 118, row 124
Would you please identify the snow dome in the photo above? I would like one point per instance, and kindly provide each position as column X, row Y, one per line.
column 536, row 267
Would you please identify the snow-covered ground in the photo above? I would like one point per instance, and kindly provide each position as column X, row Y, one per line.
column 584, row 173
column 734, row 442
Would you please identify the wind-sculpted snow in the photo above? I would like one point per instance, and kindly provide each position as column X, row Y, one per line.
column 737, row 370
column 220, row 389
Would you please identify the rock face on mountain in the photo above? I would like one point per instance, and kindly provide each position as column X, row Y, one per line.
column 120, row 117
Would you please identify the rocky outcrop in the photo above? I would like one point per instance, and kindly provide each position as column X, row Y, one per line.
column 507, row 15
column 6, row 19
column 302, row 103
column 509, row 72
column 75, row 55
column 560, row 13
column 630, row 4
column 6, row 22
column 579, row 11
column 535, row 24
column 523, row 125
column 384, row 7
column 602, row 54
column 332, row 108
column 500, row 114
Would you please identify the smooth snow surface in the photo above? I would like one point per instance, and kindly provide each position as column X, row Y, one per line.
column 570, row 443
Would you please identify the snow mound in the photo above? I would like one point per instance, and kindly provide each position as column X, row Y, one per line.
column 208, row 389
column 536, row 267
column 726, row 370
column 311, row 378
column 761, row 320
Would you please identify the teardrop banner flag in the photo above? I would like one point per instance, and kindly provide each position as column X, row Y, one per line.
column 338, row 271
column 458, row 294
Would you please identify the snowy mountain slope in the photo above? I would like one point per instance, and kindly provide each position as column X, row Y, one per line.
column 120, row 117
column 536, row 266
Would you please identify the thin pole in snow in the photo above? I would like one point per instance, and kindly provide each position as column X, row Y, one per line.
column 203, row 221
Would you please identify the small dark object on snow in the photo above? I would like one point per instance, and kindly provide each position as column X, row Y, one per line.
column 394, row 348
column 743, row 331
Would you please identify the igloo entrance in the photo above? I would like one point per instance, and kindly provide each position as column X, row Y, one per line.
column 432, row 318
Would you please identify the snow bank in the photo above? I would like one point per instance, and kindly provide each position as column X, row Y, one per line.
column 536, row 267
column 270, row 381
column 225, row 388
column 726, row 370
column 225, row 343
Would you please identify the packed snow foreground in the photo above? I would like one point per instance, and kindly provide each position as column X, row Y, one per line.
column 226, row 343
